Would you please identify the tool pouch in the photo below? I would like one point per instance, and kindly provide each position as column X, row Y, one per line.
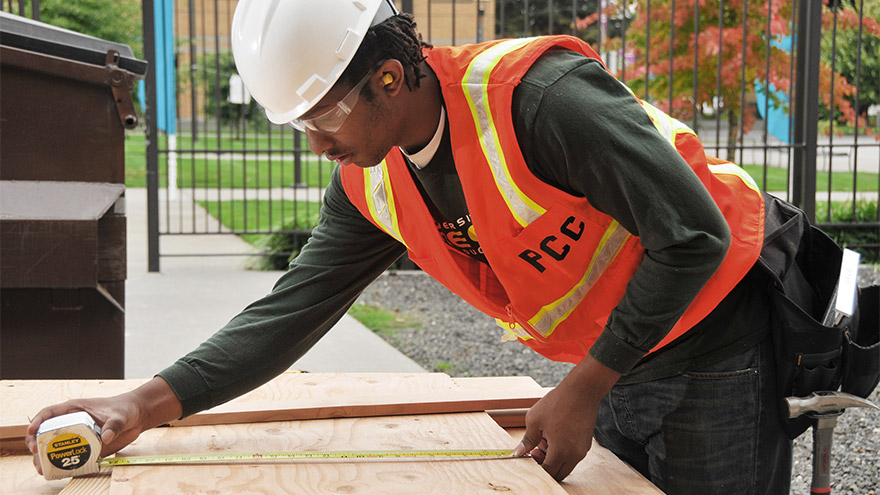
column 861, row 355
column 804, row 265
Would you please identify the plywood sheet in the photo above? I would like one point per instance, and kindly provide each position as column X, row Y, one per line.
column 489, row 383
column 18, row 477
column 22, row 399
column 293, row 396
column 435, row 431
column 602, row 473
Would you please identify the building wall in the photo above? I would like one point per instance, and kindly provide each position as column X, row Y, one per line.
column 201, row 30
column 455, row 22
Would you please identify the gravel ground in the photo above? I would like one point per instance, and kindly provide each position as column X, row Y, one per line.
column 458, row 340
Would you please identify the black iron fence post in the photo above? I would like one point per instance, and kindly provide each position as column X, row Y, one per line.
column 152, row 135
column 806, row 108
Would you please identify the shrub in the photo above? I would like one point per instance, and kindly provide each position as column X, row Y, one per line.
column 856, row 238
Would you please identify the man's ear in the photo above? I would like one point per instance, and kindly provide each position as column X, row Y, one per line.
column 392, row 76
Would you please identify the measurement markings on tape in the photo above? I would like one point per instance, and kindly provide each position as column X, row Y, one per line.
column 305, row 456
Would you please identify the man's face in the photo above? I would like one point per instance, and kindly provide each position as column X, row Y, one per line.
column 363, row 139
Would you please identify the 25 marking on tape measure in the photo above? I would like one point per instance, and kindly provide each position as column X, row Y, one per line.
column 277, row 457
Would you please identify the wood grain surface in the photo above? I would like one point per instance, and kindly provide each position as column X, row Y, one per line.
column 18, row 476
column 601, row 473
column 434, row 431
column 292, row 396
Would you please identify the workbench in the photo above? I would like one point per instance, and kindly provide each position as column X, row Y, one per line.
column 323, row 411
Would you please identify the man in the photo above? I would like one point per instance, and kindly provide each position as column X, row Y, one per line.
column 531, row 182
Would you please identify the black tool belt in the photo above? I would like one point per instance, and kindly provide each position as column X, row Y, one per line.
column 804, row 265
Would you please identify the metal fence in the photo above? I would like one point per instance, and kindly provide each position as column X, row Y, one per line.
column 788, row 90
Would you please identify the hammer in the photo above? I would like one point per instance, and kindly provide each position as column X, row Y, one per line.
column 824, row 408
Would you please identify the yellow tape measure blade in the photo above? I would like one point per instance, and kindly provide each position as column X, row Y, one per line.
column 276, row 457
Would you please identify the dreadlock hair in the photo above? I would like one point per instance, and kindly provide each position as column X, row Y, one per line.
column 394, row 38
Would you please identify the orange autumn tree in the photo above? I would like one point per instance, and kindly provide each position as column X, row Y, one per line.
column 692, row 39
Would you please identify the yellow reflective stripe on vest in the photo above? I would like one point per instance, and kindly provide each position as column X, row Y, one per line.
column 515, row 330
column 524, row 210
column 380, row 199
column 551, row 315
column 668, row 127
column 734, row 169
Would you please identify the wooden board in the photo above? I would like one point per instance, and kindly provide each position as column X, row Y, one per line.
column 93, row 484
column 22, row 399
column 18, row 477
column 435, row 431
column 357, row 407
column 293, row 396
column 601, row 473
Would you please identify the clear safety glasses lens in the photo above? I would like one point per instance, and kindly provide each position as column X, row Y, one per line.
column 333, row 119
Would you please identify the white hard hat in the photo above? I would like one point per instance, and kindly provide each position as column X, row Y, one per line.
column 291, row 52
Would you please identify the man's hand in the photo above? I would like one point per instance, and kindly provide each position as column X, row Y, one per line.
column 559, row 427
column 122, row 418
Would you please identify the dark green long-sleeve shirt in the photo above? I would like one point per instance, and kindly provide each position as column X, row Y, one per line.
column 581, row 131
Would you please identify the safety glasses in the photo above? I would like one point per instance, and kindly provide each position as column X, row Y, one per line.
column 331, row 120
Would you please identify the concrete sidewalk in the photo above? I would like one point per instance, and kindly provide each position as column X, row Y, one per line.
column 171, row 312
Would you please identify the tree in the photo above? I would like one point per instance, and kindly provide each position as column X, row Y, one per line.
column 531, row 17
column 720, row 48
column 841, row 50
column 112, row 20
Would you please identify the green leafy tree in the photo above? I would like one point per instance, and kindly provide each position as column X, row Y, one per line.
column 859, row 65
column 216, row 90
column 112, row 20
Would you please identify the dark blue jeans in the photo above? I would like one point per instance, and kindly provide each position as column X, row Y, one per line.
column 715, row 431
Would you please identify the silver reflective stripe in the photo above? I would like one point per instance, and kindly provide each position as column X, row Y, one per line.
column 379, row 203
column 475, row 87
column 734, row 169
column 551, row 315
column 669, row 127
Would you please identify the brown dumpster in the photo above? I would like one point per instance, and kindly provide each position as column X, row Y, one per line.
column 65, row 102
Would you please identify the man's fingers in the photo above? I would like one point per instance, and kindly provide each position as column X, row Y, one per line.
column 30, row 439
column 560, row 462
column 37, row 464
column 116, row 428
column 529, row 441
column 538, row 455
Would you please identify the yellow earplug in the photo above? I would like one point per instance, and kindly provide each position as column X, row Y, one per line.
column 387, row 79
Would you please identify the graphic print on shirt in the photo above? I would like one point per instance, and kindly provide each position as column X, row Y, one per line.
column 461, row 236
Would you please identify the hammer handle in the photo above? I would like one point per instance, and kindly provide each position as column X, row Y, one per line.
column 822, row 437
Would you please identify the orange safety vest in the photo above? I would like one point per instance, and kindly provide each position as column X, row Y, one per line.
column 558, row 265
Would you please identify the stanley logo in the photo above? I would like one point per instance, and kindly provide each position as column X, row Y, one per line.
column 69, row 442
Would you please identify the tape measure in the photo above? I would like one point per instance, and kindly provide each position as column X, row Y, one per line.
column 70, row 445
column 329, row 455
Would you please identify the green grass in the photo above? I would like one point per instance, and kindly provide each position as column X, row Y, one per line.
column 381, row 321
column 211, row 170
column 262, row 215
column 777, row 179
column 444, row 367
column 232, row 172
column 135, row 160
